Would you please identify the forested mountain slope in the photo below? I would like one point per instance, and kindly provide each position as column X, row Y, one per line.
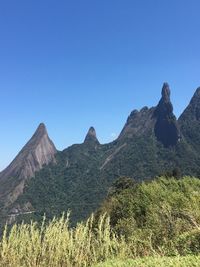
column 152, row 142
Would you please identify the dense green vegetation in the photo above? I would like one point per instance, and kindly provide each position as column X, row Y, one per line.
column 162, row 216
column 77, row 182
column 151, row 143
column 153, row 223
column 67, row 185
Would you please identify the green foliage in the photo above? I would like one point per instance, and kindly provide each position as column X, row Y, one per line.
column 80, row 179
column 121, row 184
column 67, row 185
column 161, row 216
column 151, row 223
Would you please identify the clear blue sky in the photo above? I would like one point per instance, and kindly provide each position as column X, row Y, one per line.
column 73, row 64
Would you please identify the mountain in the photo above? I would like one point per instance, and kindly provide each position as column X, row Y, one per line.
column 139, row 123
column 37, row 153
column 159, row 119
column 192, row 112
column 91, row 137
column 152, row 142
column 189, row 122
column 166, row 127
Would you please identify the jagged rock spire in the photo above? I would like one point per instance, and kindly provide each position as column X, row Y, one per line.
column 166, row 127
column 39, row 151
column 91, row 136
column 39, row 133
column 41, row 128
column 166, row 92
column 165, row 106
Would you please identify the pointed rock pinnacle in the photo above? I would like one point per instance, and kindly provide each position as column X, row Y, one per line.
column 91, row 136
column 166, row 92
column 166, row 128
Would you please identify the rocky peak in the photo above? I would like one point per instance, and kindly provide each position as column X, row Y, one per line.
column 195, row 101
column 197, row 93
column 38, row 151
column 138, row 123
column 195, row 104
column 166, row 93
column 165, row 106
column 192, row 112
column 166, row 127
column 91, row 136
column 40, row 133
column 41, row 130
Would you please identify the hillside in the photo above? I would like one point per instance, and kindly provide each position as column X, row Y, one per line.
column 153, row 223
column 152, row 142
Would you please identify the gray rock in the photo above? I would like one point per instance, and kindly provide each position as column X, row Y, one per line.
column 91, row 137
column 39, row 151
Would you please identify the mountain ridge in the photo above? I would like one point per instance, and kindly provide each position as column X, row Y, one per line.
column 151, row 142
column 36, row 153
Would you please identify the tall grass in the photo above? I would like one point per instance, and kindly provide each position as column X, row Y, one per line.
column 55, row 244
column 189, row 261
column 149, row 220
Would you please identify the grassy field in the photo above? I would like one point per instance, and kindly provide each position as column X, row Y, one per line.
column 55, row 244
column 189, row 261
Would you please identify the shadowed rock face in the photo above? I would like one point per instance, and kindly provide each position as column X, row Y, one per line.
column 83, row 173
column 39, row 151
column 166, row 93
column 166, row 127
column 138, row 123
column 91, row 137
column 159, row 120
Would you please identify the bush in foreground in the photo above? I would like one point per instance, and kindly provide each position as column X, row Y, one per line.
column 148, row 220
column 161, row 216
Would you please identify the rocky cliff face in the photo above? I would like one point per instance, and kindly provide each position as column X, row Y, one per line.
column 83, row 173
column 39, row 151
column 91, row 137
column 159, row 120
column 139, row 122
column 166, row 127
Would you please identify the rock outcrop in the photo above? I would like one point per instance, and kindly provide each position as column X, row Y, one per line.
column 151, row 143
column 138, row 123
column 166, row 127
column 91, row 137
column 39, row 151
column 158, row 120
